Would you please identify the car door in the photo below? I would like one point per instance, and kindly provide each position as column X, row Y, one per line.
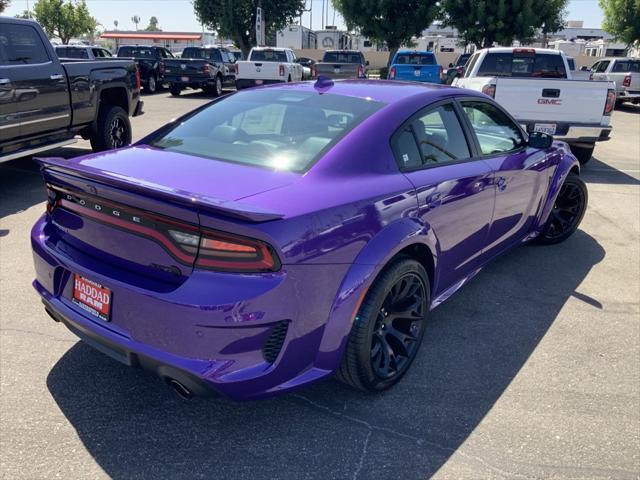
column 9, row 123
column 599, row 70
column 520, row 174
column 453, row 189
column 41, row 90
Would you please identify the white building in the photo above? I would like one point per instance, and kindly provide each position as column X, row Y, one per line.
column 573, row 49
column 296, row 37
column 604, row 48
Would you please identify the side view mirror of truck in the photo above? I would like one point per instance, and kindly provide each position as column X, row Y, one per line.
column 450, row 65
column 584, row 68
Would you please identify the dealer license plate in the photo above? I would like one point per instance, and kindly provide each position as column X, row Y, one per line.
column 92, row 297
column 548, row 128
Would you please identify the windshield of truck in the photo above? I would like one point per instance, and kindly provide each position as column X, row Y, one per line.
column 268, row 56
column 201, row 54
column 415, row 59
column 71, row 52
column 526, row 64
column 138, row 52
column 342, row 57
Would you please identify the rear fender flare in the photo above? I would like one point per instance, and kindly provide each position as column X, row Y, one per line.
column 371, row 260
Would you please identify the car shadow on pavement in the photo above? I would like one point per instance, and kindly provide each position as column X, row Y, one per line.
column 475, row 345
column 21, row 184
column 597, row 171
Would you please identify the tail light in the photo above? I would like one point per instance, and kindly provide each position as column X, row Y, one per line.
column 190, row 245
column 237, row 69
column 591, row 76
column 489, row 90
column 314, row 71
column 282, row 70
column 610, row 103
column 161, row 67
column 138, row 77
column 205, row 68
column 440, row 72
column 360, row 71
column 627, row 81
column 392, row 73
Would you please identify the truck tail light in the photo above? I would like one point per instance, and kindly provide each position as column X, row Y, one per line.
column 627, row 81
column 237, row 65
column 392, row 73
column 138, row 78
column 314, row 71
column 205, row 68
column 360, row 71
column 440, row 72
column 161, row 67
column 489, row 90
column 591, row 76
column 610, row 103
column 281, row 70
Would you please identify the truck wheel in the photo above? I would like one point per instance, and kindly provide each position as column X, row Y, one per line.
column 152, row 85
column 175, row 90
column 113, row 129
column 388, row 328
column 217, row 89
column 583, row 154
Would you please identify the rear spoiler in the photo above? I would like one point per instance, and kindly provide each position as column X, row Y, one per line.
column 217, row 206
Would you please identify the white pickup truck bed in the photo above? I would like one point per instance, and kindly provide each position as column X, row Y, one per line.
column 268, row 65
column 537, row 92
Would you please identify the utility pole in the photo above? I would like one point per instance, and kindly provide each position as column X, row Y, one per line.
column 322, row 22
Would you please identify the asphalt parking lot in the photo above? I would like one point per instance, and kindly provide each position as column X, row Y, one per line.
column 531, row 371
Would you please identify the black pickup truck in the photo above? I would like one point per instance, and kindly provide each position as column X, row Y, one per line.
column 151, row 62
column 208, row 68
column 45, row 103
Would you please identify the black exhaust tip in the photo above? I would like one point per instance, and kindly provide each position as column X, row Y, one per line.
column 182, row 391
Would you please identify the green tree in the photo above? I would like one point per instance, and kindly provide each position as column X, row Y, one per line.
column 236, row 19
column 4, row 4
column 64, row 20
column 485, row 22
column 153, row 25
column 26, row 14
column 394, row 22
column 622, row 19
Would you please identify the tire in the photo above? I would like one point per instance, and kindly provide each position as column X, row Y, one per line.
column 152, row 84
column 567, row 211
column 175, row 90
column 363, row 368
column 583, row 154
column 113, row 129
column 217, row 88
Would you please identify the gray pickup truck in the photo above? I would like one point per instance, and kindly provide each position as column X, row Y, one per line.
column 625, row 72
column 343, row 64
column 45, row 103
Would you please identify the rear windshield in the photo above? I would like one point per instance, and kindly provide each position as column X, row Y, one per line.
column 70, row 52
column 268, row 56
column 279, row 129
column 201, row 53
column 523, row 64
column 415, row 59
column 140, row 52
column 342, row 57
column 626, row 66
column 462, row 60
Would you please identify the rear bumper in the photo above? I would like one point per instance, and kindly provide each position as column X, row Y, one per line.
column 576, row 134
column 254, row 82
column 629, row 95
column 214, row 333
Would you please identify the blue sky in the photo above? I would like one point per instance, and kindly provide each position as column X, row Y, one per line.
column 177, row 15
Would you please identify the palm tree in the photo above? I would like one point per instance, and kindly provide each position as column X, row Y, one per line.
column 115, row 24
column 136, row 19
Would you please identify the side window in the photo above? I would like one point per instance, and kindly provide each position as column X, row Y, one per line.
column 217, row 56
column 168, row 54
column 602, row 66
column 97, row 52
column 23, row 45
column 406, row 149
column 440, row 136
column 470, row 64
column 495, row 131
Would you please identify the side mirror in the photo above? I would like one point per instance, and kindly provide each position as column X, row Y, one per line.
column 366, row 63
column 585, row 69
column 540, row 140
column 450, row 65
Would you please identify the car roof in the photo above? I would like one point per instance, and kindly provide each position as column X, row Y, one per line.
column 547, row 51
column 385, row 91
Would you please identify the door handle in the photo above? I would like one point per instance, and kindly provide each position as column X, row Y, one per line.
column 56, row 76
column 4, row 81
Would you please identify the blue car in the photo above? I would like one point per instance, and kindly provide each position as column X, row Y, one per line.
column 415, row 66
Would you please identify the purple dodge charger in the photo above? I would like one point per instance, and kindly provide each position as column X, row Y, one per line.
column 282, row 234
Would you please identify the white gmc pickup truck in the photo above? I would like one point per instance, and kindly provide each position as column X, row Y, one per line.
column 535, row 86
column 268, row 65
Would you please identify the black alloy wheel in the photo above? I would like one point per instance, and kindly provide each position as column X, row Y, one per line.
column 568, row 211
